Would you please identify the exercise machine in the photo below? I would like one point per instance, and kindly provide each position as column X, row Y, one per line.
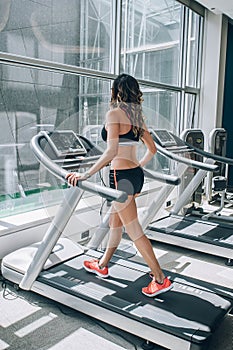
column 195, row 138
column 216, row 145
column 183, row 318
column 184, row 229
column 216, row 189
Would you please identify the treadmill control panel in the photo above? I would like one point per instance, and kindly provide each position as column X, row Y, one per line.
column 65, row 143
column 164, row 138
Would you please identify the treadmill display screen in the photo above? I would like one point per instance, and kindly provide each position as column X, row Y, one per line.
column 165, row 138
column 66, row 143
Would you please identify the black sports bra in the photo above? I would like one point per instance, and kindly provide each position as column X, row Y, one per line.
column 129, row 136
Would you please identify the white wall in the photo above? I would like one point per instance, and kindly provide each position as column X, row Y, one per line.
column 213, row 68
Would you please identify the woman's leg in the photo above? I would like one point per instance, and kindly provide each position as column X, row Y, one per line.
column 128, row 215
column 115, row 235
column 144, row 246
column 99, row 267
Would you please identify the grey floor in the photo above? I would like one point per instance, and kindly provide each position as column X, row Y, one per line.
column 29, row 321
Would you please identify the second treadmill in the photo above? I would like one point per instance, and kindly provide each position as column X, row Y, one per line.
column 190, row 232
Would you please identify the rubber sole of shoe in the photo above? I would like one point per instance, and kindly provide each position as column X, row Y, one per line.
column 159, row 292
column 95, row 272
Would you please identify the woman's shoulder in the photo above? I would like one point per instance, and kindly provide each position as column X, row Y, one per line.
column 114, row 115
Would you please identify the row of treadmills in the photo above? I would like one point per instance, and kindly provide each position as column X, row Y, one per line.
column 183, row 318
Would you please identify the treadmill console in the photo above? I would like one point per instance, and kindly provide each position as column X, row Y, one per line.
column 164, row 138
column 65, row 143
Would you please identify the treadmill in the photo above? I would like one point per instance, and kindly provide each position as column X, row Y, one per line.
column 189, row 231
column 183, row 318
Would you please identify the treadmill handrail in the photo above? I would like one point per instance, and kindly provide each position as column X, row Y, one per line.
column 213, row 156
column 187, row 161
column 105, row 192
column 161, row 177
column 82, row 159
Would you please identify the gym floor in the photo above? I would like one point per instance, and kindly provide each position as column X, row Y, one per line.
column 29, row 321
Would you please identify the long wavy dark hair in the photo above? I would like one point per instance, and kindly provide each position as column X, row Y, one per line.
column 127, row 95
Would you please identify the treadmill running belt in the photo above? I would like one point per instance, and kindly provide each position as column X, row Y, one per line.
column 189, row 310
column 202, row 231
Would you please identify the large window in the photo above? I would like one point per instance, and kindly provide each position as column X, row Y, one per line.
column 33, row 100
column 57, row 62
column 151, row 45
column 74, row 32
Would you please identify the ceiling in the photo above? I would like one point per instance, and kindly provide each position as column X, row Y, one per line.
column 219, row 6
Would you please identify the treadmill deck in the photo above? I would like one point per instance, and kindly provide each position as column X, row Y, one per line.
column 191, row 310
column 193, row 228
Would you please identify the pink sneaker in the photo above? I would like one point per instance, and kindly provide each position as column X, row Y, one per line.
column 154, row 288
column 93, row 266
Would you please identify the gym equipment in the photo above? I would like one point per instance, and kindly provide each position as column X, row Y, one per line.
column 186, row 230
column 183, row 318
column 217, row 184
column 195, row 138
column 216, row 145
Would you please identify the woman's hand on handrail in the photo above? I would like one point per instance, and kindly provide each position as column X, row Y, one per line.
column 74, row 177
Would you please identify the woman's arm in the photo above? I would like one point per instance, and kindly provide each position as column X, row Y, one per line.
column 113, row 127
column 150, row 145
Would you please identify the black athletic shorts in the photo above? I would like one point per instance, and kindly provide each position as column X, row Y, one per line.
column 127, row 180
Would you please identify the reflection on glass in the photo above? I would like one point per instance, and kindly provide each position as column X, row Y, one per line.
column 32, row 100
column 160, row 108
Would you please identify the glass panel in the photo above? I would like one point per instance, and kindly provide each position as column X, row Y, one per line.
column 160, row 108
column 32, row 100
column 76, row 32
column 151, row 39
column 191, row 111
column 193, row 46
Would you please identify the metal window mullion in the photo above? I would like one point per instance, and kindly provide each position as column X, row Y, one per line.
column 97, row 39
column 98, row 63
column 126, row 20
column 118, row 36
column 199, row 68
column 183, row 65
column 86, row 14
column 82, row 28
column 82, row 44
column 186, row 107
column 57, row 67
column 188, row 48
column 180, row 99
column 132, row 30
column 115, row 48
column 183, row 48
column 112, row 37
column 200, row 51
column 180, row 78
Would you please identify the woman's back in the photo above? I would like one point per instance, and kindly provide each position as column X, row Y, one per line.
column 127, row 151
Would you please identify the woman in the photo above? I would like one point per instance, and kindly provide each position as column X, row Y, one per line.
column 123, row 128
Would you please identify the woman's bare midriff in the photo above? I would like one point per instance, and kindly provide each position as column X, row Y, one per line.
column 126, row 158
